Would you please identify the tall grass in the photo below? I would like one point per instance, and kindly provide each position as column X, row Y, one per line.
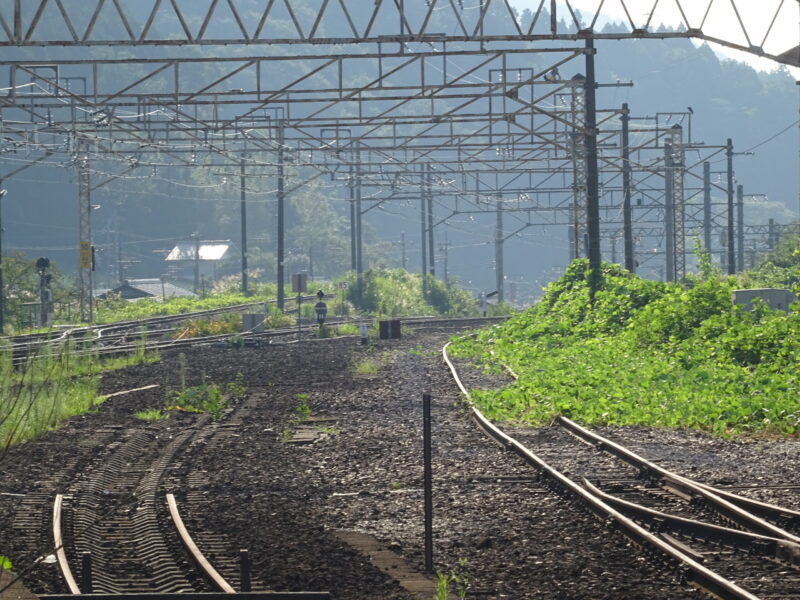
column 50, row 387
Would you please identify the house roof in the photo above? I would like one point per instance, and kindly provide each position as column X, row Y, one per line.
column 133, row 289
column 208, row 251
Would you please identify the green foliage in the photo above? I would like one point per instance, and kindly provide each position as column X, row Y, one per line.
column 203, row 398
column 150, row 415
column 208, row 398
column 5, row 563
column 449, row 299
column 367, row 366
column 50, row 388
column 21, row 285
column 224, row 324
column 454, row 579
column 347, row 329
column 647, row 353
column 302, row 411
column 113, row 310
column 236, row 388
column 397, row 293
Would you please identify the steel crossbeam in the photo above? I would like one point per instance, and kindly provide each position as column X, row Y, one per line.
column 346, row 23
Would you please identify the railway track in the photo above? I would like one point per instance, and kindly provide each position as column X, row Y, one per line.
column 728, row 545
column 118, row 529
column 157, row 333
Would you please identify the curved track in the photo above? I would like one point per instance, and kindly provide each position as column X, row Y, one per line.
column 760, row 563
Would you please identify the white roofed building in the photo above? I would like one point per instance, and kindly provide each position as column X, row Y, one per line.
column 198, row 260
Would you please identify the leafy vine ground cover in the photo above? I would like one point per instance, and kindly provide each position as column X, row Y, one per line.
column 646, row 353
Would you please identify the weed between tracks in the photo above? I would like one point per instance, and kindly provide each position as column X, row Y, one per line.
column 367, row 366
column 150, row 415
column 301, row 412
column 211, row 398
column 455, row 579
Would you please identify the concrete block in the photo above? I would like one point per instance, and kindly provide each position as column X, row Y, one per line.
column 253, row 322
column 775, row 298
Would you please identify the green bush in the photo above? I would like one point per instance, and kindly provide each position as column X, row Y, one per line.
column 398, row 293
column 646, row 353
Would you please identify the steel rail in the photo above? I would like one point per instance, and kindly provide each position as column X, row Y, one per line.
column 197, row 556
column 780, row 549
column 696, row 573
column 721, row 504
column 738, row 509
column 58, row 540
column 133, row 323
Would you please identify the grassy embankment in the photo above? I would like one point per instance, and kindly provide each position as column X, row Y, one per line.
column 647, row 353
column 38, row 396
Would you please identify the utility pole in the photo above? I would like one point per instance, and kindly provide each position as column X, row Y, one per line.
column 731, row 230
column 196, row 237
column 707, row 207
column 669, row 214
column 771, row 234
column 446, row 258
column 403, row 246
column 498, row 251
column 627, row 228
column 281, row 223
column 592, row 183
column 614, row 249
column 3, row 192
column 351, row 187
column 359, row 229
column 739, row 228
column 431, row 248
column 117, row 244
column 423, row 237
column 85, row 251
column 243, row 213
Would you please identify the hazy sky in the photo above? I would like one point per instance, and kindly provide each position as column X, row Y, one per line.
column 721, row 21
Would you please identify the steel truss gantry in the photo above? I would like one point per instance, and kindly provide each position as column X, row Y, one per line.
column 262, row 85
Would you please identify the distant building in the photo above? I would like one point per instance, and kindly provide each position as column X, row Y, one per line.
column 135, row 289
column 207, row 254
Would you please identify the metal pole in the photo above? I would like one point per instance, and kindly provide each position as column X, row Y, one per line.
column 424, row 243
column 739, row 227
column 627, row 229
column 446, row 258
column 281, row 222
column 196, row 237
column 707, row 206
column 669, row 215
column 243, row 213
column 771, row 234
column 614, row 249
column 86, row 258
column 428, row 481
column 87, row 581
column 245, row 567
column 431, row 248
column 592, row 183
column 731, row 230
column 352, row 195
column 403, row 245
column 498, row 251
column 359, row 232
column 42, row 299
column 118, row 245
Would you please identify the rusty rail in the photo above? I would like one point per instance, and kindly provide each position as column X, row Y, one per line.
column 699, row 575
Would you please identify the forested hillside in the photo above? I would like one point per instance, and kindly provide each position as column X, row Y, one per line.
column 144, row 213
